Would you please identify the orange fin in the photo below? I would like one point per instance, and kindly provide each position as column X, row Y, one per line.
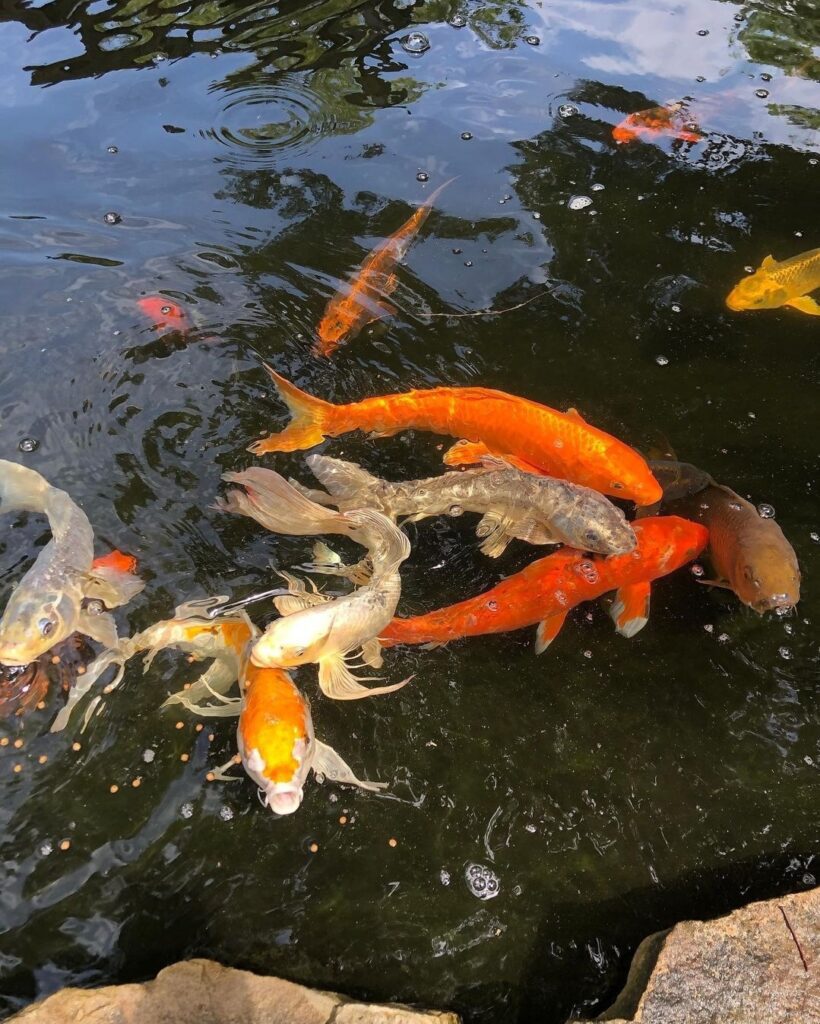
column 117, row 560
column 465, row 453
column 548, row 630
column 306, row 428
column 575, row 415
column 630, row 610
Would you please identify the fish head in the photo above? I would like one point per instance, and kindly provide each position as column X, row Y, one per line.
column 164, row 314
column 595, row 524
column 33, row 622
column 292, row 640
column 766, row 576
column 632, row 481
column 333, row 328
column 758, row 291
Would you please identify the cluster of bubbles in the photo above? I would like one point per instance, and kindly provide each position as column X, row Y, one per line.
column 482, row 881
column 579, row 202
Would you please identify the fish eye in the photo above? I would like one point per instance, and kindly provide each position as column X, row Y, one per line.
column 591, row 536
column 46, row 627
column 299, row 652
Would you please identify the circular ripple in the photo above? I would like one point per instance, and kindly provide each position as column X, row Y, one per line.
column 261, row 121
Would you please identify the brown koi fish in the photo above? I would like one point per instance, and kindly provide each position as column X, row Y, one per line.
column 749, row 554
column 354, row 307
column 774, row 284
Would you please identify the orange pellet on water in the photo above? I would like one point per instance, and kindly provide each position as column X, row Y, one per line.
column 42, row 758
column 136, row 782
column 65, row 844
column 210, row 777
column 199, row 726
column 314, row 847
column 237, row 759
column 4, row 742
column 18, row 767
column 114, row 789
column 76, row 746
column 41, row 705
column 392, row 842
column 210, row 737
column 343, row 820
column 18, row 744
column 180, row 725
column 183, row 757
column 55, row 659
column 81, row 670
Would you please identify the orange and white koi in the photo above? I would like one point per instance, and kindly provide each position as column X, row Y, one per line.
column 364, row 301
column 669, row 121
column 548, row 589
column 560, row 444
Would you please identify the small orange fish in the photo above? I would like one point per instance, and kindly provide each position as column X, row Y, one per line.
column 116, row 560
column 556, row 443
column 669, row 121
column 546, row 590
column 164, row 314
column 354, row 307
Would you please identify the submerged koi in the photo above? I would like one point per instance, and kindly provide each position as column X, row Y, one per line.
column 546, row 590
column 63, row 592
column 784, row 283
column 749, row 554
column 555, row 443
column 512, row 504
column 313, row 627
column 364, row 301
column 22, row 688
column 164, row 314
column 276, row 742
column 668, row 121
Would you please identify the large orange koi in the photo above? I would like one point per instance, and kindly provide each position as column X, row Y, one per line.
column 559, row 444
column 354, row 307
column 546, row 590
column 669, row 121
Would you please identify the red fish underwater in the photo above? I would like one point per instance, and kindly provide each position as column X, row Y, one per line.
column 164, row 314
column 548, row 589
column 669, row 121
column 354, row 307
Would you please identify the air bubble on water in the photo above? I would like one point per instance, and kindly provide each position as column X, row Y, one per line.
column 466, row 136
column 112, row 150
column 536, row 216
column 148, row 755
column 814, row 536
column 457, row 252
column 661, row 360
column 457, row 21
column 403, row 5
column 112, row 218
column 709, row 627
column 675, row 307
column 808, row 760
column 785, row 653
column 813, row 161
column 492, row 605
column 225, row 812
column 482, row 881
column 532, row 40
column 46, row 848
column 187, row 810
column 95, row 607
column 809, row 879
column 444, row 877
column 697, row 570
column 587, row 570
column 415, row 42
column 700, row 78
column 739, row 16
column 703, row 31
column 422, row 176
column 567, row 110
column 579, row 202
column 597, row 187
column 766, row 76
column 468, row 263
column 761, row 93
column 529, row 827
column 587, row 654
column 29, row 445
column 787, row 629
column 455, row 510
column 765, row 511
column 723, row 638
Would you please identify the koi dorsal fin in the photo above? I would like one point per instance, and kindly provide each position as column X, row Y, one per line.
column 769, row 263
column 575, row 415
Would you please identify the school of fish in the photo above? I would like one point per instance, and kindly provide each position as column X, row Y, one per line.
column 529, row 472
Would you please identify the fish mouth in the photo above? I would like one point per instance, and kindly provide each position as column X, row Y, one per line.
column 283, row 798
column 736, row 305
column 775, row 603
column 11, row 657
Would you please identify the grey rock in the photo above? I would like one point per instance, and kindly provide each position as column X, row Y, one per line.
column 205, row 992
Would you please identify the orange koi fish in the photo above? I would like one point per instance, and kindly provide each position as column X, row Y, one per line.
column 164, row 314
column 669, row 121
column 276, row 742
column 353, row 308
column 546, row 590
column 560, row 444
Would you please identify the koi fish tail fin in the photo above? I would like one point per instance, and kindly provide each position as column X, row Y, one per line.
column 309, row 416
column 387, row 545
column 268, row 498
column 344, row 480
column 327, row 562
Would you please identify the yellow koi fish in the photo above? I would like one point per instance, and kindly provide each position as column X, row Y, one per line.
column 774, row 284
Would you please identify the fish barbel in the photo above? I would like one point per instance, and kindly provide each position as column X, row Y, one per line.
column 558, row 444
column 749, row 553
column 315, row 628
column 512, row 504
column 364, row 301
column 784, row 283
column 63, row 592
column 545, row 591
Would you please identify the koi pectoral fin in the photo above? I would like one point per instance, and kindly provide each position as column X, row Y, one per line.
column 630, row 610
column 805, row 304
column 330, row 764
column 213, row 683
column 493, row 531
column 372, row 653
column 338, row 682
column 548, row 630
column 723, row 584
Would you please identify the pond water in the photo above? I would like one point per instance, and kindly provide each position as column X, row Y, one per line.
column 253, row 153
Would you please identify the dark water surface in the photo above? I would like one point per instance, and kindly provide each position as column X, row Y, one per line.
column 613, row 786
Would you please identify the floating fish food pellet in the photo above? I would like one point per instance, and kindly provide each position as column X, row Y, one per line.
column 18, row 744
column 183, row 757
column 114, row 789
column 42, row 758
column 65, row 844
column 199, row 726
column 55, row 659
column 180, row 725
column 18, row 768
column 343, row 820
column 4, row 742
column 76, row 746
column 392, row 842
column 81, row 670
column 210, row 777
column 137, row 782
column 314, row 847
